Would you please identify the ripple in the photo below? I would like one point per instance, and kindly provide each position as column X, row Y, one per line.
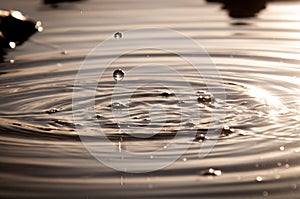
column 256, row 143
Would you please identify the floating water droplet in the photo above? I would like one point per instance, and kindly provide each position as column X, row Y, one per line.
column 184, row 159
column 118, row 35
column 287, row 166
column 12, row 61
column 281, row 148
column 53, row 110
column 118, row 74
column 212, row 172
column 117, row 105
column 259, row 179
column 204, row 97
column 199, row 138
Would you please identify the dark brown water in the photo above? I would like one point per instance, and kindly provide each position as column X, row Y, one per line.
column 258, row 58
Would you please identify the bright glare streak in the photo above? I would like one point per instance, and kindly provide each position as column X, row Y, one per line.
column 265, row 97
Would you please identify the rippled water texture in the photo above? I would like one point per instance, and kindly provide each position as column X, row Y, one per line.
column 256, row 154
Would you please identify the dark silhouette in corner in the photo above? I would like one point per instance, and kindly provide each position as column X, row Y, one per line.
column 242, row 8
column 15, row 29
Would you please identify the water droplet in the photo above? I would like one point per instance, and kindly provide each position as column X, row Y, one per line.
column 184, row 159
column 65, row 52
column 151, row 156
column 38, row 26
column 53, row 110
column 279, row 164
column 118, row 74
column 12, row 61
column 227, row 130
column 259, row 179
column 212, row 172
column 287, row 166
column 204, row 97
column 199, row 138
column 281, row 148
column 118, row 35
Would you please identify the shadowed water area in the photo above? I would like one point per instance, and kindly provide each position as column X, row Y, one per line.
column 257, row 153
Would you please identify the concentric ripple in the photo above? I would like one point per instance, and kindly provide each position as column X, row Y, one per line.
column 257, row 151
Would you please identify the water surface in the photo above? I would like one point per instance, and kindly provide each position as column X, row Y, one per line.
column 42, row 155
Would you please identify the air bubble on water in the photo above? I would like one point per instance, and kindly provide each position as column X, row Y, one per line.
column 259, row 179
column 287, row 166
column 65, row 52
column 265, row 193
column 199, row 138
column 53, row 110
column 227, row 130
column 204, row 97
column 212, row 172
column 118, row 35
column 118, row 74
column 279, row 164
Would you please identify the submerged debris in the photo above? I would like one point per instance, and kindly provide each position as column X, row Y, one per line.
column 15, row 29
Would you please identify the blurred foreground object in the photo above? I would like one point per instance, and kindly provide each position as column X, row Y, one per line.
column 242, row 8
column 15, row 29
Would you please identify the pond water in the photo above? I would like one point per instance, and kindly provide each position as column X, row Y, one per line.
column 256, row 155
